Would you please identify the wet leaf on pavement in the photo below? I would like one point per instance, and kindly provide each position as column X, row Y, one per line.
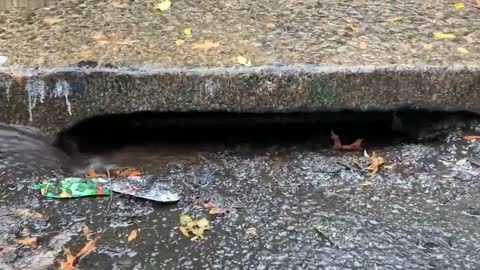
column 213, row 209
column 163, row 5
column 195, row 227
column 72, row 261
column 376, row 163
column 337, row 144
column 29, row 241
column 442, row 35
column 133, row 235
column 471, row 137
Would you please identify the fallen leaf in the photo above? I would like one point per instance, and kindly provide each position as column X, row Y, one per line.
column 87, row 232
column 396, row 19
column 71, row 262
column 428, row 46
column 376, row 163
column 29, row 241
column 133, row 235
column 179, row 42
column 476, row 4
column 125, row 173
column 195, row 227
column 91, row 173
column 459, row 5
column 215, row 211
column 162, row 6
column 351, row 27
column 462, row 50
column 187, row 32
column 119, row 5
column 251, row 231
column 471, row 137
column 244, row 61
column 270, row 25
column 442, row 35
column 52, row 20
column 18, row 77
column 27, row 213
column 205, row 45
column 337, row 144
column 85, row 54
column 99, row 36
column 362, row 45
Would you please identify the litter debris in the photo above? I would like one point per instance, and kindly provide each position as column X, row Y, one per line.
column 138, row 187
column 73, row 187
column 337, row 144
column 195, row 227
column 251, row 231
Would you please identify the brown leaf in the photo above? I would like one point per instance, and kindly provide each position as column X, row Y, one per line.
column 215, row 211
column 87, row 232
column 85, row 54
column 52, row 20
column 27, row 213
column 376, row 164
column 337, row 144
column 91, row 173
column 125, row 173
column 471, row 137
column 18, row 77
column 71, row 262
column 476, row 4
column 133, row 235
column 29, row 241
column 205, row 45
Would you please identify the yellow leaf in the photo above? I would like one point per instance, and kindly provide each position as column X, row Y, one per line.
column 185, row 220
column 205, row 45
column 202, row 223
column 179, row 42
column 29, row 241
column 52, row 20
column 396, row 19
column 162, row 6
column 185, row 231
column 442, row 35
column 244, row 61
column 187, row 32
column 459, row 5
column 462, row 50
column 133, row 234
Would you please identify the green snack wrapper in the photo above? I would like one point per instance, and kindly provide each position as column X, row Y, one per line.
column 74, row 187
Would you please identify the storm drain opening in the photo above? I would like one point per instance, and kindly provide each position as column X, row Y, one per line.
column 375, row 128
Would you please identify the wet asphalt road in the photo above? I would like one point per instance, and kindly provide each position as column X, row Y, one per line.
column 422, row 213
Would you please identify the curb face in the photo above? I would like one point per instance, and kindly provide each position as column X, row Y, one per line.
column 53, row 99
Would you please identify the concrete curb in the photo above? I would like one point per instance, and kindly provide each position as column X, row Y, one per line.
column 53, row 99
